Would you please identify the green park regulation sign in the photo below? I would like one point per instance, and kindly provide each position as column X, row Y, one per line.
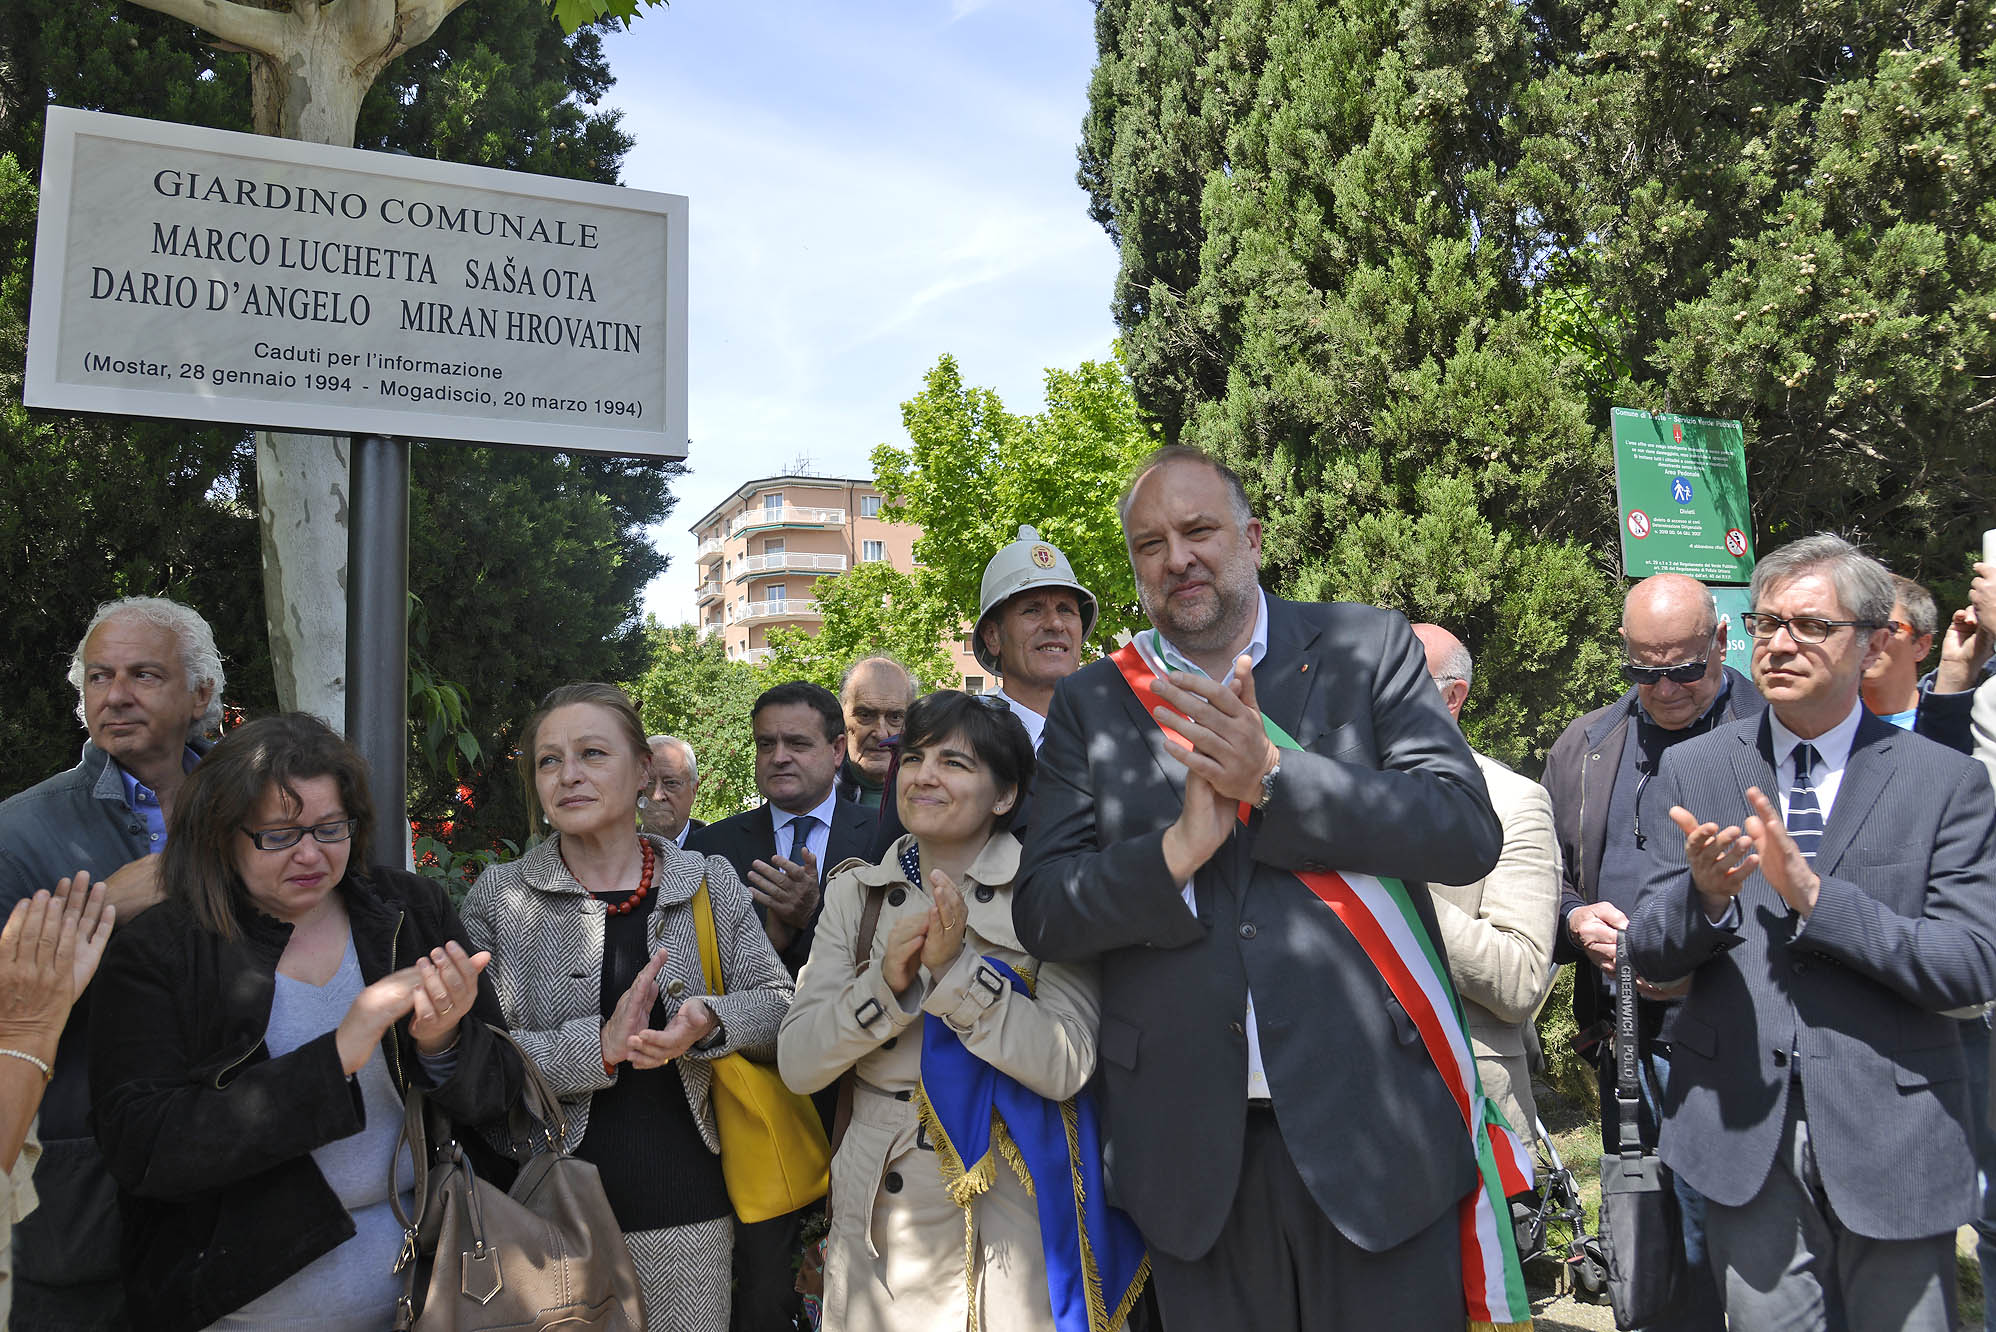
column 1680, row 483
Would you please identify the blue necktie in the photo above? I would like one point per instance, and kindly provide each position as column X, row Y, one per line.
column 800, row 836
column 1805, row 814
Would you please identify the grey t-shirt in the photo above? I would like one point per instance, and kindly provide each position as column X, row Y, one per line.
column 352, row 1288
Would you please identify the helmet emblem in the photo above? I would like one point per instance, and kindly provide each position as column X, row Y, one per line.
column 1044, row 556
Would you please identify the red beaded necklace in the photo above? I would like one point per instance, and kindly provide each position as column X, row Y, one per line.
column 629, row 904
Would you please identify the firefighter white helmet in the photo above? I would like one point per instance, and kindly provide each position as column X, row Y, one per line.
column 1026, row 564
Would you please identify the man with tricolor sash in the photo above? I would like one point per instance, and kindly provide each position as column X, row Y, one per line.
column 1236, row 818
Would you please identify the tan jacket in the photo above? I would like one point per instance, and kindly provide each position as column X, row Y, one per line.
column 1499, row 936
column 896, row 1256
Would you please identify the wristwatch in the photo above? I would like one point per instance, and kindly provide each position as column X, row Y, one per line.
column 1268, row 785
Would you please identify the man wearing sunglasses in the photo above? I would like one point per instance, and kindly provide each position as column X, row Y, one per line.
column 1830, row 895
column 1673, row 655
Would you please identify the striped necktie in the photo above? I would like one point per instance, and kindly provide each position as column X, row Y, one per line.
column 1805, row 814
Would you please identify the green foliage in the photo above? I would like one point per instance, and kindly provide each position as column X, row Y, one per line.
column 1397, row 264
column 1787, row 209
column 1319, row 284
column 973, row 473
column 689, row 688
column 100, row 507
column 872, row 609
column 573, row 14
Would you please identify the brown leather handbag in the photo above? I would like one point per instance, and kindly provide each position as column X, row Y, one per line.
column 546, row 1253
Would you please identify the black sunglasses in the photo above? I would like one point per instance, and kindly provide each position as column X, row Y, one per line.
column 1690, row 672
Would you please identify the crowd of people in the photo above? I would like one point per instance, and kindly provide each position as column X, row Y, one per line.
column 1189, row 987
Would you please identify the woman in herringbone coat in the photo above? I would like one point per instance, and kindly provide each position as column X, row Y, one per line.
column 597, row 965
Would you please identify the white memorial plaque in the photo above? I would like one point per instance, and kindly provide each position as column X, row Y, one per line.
column 195, row 273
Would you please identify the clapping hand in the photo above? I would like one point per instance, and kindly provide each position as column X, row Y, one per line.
column 1225, row 751
column 49, row 950
column 788, row 890
column 1781, row 862
column 1720, row 860
column 628, row 1037
column 447, row 986
column 949, row 918
column 902, row 957
column 437, row 994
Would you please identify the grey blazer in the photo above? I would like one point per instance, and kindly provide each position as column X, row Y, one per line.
column 1387, row 786
column 1904, row 928
column 546, row 937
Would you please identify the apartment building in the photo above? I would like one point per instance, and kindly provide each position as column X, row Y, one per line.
column 764, row 547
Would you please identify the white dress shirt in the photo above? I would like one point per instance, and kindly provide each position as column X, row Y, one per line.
column 1159, row 654
column 1035, row 723
column 1832, row 757
column 815, row 839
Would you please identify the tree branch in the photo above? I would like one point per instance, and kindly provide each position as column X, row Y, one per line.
column 259, row 30
column 415, row 22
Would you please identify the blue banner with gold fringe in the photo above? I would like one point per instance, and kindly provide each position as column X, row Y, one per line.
column 975, row 1115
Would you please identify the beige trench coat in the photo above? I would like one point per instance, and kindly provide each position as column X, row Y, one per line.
column 1499, row 935
column 896, row 1256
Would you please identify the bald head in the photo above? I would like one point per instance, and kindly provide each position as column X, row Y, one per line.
column 875, row 694
column 1670, row 620
column 1449, row 665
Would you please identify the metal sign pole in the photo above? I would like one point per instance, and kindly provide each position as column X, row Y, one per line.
column 377, row 683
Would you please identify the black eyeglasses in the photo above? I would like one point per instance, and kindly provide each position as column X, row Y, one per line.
column 283, row 839
column 1689, row 672
column 1803, row 628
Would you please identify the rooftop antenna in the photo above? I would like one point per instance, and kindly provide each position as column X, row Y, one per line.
column 804, row 466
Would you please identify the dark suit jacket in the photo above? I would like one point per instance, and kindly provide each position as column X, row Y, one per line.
column 1386, row 787
column 1904, row 928
column 1581, row 771
column 742, row 839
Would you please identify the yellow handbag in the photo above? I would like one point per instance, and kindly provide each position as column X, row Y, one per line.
column 774, row 1155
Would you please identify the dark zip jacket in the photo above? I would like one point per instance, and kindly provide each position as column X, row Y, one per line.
column 208, row 1137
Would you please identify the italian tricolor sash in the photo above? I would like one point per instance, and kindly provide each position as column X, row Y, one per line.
column 1381, row 917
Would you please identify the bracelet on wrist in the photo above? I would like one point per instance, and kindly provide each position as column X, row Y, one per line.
column 47, row 1073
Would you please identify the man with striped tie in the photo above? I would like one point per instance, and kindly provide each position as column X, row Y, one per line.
column 1832, row 899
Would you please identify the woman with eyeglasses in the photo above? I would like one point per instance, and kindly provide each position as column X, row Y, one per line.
column 957, row 1185
column 253, row 1037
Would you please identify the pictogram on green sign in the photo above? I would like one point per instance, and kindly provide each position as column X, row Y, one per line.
column 1680, row 483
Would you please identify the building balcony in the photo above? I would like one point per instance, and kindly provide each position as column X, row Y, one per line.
column 708, row 592
column 755, row 656
column 710, row 549
column 787, row 516
column 791, row 608
column 788, row 561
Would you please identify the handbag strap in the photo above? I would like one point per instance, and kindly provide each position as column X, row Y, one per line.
column 869, row 925
column 538, row 1098
column 1628, row 1102
column 710, row 948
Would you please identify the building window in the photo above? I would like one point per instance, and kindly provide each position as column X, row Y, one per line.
column 869, row 506
column 973, row 684
column 772, row 545
column 873, row 551
column 772, row 501
column 774, row 592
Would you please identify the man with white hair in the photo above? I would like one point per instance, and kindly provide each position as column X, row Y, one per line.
column 665, row 808
column 149, row 688
column 1498, row 930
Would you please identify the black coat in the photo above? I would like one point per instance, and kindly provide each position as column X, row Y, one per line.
column 1384, row 785
column 208, row 1137
column 742, row 839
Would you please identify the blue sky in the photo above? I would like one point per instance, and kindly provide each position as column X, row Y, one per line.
column 871, row 185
